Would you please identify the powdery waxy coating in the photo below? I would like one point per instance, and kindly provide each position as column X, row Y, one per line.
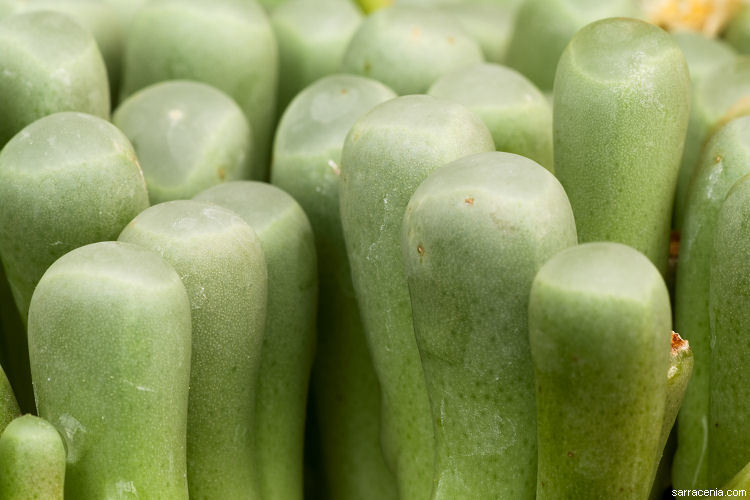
column 312, row 37
column 32, row 458
column 220, row 261
column 225, row 43
column 387, row 154
column 188, row 136
column 517, row 114
column 409, row 47
column 599, row 322
column 101, row 20
column 289, row 339
column 544, row 27
column 721, row 96
column 705, row 57
column 725, row 159
column 490, row 24
column 109, row 341
column 66, row 180
column 475, row 233
column 703, row 54
column 50, row 64
column 621, row 103
column 307, row 165
column 729, row 412
column 8, row 405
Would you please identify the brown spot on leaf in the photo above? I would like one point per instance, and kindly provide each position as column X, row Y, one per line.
column 420, row 250
column 222, row 173
column 679, row 344
column 469, row 201
column 717, row 159
column 344, row 91
column 674, row 245
column 451, row 40
column 571, row 454
column 367, row 67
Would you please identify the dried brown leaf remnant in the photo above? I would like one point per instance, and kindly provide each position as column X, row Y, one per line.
column 679, row 344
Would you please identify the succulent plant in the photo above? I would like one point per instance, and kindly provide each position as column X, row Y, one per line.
column 387, row 154
column 475, row 233
column 102, row 372
column 220, row 261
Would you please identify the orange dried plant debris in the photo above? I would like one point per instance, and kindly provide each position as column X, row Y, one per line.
column 706, row 16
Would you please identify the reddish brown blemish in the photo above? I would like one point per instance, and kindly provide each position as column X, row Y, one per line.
column 420, row 250
column 222, row 173
column 679, row 344
column 717, row 159
column 674, row 245
column 469, row 201
column 571, row 454
column 344, row 91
